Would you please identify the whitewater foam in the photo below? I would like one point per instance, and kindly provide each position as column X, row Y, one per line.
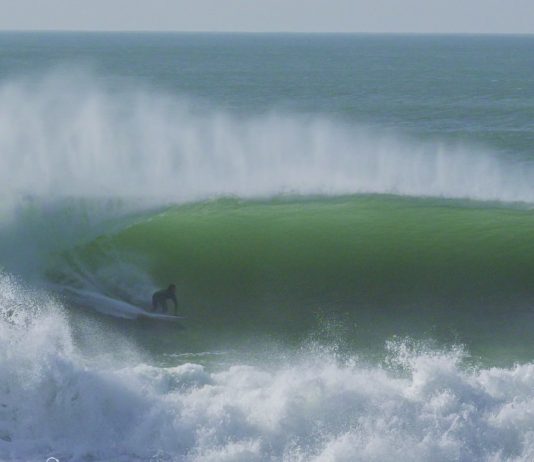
column 56, row 401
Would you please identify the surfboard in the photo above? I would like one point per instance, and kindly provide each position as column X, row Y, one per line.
column 115, row 307
column 159, row 316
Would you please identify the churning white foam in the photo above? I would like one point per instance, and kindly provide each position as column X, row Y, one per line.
column 54, row 401
column 71, row 136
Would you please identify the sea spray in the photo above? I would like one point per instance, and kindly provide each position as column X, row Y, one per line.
column 66, row 135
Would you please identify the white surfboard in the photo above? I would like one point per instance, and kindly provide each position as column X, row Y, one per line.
column 159, row 316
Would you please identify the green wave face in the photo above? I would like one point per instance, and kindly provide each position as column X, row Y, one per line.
column 382, row 265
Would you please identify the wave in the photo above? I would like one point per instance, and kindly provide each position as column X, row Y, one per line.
column 88, row 170
column 56, row 401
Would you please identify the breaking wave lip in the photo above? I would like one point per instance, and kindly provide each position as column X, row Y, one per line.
column 427, row 403
column 65, row 135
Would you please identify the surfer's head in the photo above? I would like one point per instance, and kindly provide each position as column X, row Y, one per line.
column 172, row 288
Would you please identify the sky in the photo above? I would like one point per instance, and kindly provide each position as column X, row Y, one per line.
column 405, row 16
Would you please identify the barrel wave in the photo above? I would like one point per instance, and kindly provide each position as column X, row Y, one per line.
column 384, row 265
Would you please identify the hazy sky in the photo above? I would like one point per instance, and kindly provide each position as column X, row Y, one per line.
column 474, row 16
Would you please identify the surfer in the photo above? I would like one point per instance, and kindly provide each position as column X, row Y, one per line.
column 159, row 299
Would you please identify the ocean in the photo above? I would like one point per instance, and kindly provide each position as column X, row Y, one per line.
column 348, row 220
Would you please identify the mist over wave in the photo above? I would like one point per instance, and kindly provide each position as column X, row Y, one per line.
column 65, row 135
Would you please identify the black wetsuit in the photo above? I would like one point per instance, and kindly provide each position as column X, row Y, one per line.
column 159, row 299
